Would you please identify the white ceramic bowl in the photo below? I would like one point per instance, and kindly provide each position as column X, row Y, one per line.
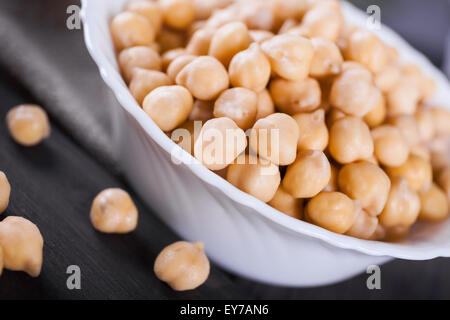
column 241, row 233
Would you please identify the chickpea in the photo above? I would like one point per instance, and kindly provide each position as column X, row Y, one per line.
column 292, row 97
column 350, row 140
column 113, row 211
column 219, row 143
column 353, row 92
column 441, row 119
column 205, row 8
column 443, row 181
column 150, row 10
column 391, row 149
column 22, row 245
column 308, row 175
column 416, row 171
column 168, row 106
column 28, row 124
column 130, row 29
column 434, row 204
column 259, row 15
column 275, row 138
column 200, row 42
column 403, row 98
column 250, row 69
column 313, row 130
column 221, row 17
column 334, row 115
column 258, row 178
column 387, row 78
column 202, row 110
column 182, row 265
column 332, row 184
column 265, row 105
column 377, row 116
column 197, row 75
column 409, row 128
column 290, row 9
column 186, row 135
column 171, row 55
column 364, row 225
column 288, row 25
column 178, row 64
column 178, row 14
column 421, row 151
column 425, row 122
column 138, row 57
column 284, row 202
column 289, row 55
column 145, row 81
column 333, row 211
column 5, row 192
column 170, row 39
column 238, row 104
column 327, row 60
column 367, row 183
column 323, row 21
column 259, row 36
column 425, row 85
column 402, row 206
column 228, row 41
column 439, row 149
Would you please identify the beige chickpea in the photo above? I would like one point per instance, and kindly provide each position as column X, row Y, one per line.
column 284, row 202
column 238, row 104
column 275, row 138
column 129, row 29
column 22, row 245
column 441, row 120
column 425, row 122
column 290, row 9
column 439, row 153
column 205, row 8
column 168, row 106
column 377, row 116
column 308, row 175
column 197, row 75
column 138, row 57
column 170, row 39
column 265, row 105
column 387, row 78
column 145, row 81
column 292, row 97
column 178, row 14
column 416, row 171
column 421, row 151
column 313, row 130
column 333, row 211
column 113, row 211
column 364, row 225
column 288, row 25
column 28, row 124
column 391, row 149
column 150, row 10
column 443, row 181
column 202, row 110
column 354, row 93
column 219, row 143
column 425, row 85
column 178, row 64
column 350, row 140
column 323, row 21
column 403, row 98
column 171, row 55
column 259, row 36
column 367, row 183
column 223, row 16
column 289, row 55
column 327, row 60
column 5, row 192
column 255, row 176
column 334, row 115
column 182, row 265
column 434, row 204
column 402, row 207
column 409, row 128
column 332, row 184
column 250, row 69
column 200, row 42
column 259, row 15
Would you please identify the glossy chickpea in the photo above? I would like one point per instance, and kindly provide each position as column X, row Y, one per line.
column 409, row 128
column 416, row 171
column 219, row 143
column 178, row 14
column 364, row 225
column 255, row 176
column 290, row 56
column 323, row 21
column 200, row 42
column 113, row 211
column 313, row 130
column 284, row 202
column 387, row 78
column 138, row 57
column 327, row 59
column 22, row 244
column 150, row 10
column 202, row 110
column 178, row 64
column 441, row 120
column 377, row 116
column 171, row 55
column 350, row 140
column 197, row 75
column 403, row 98
column 443, row 181
column 5, row 192
column 228, row 41
column 28, row 124
column 292, row 97
column 391, row 149
column 168, row 106
column 275, row 138
column 333, row 211
column 250, row 69
column 265, row 105
column 434, row 204
column 129, row 29
column 145, row 81
column 425, row 122
column 170, row 39
column 238, row 104
column 367, row 183
column 308, row 175
column 182, row 265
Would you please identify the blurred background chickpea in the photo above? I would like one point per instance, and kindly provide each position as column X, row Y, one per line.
column 364, row 225
column 182, row 265
column 441, row 120
column 28, row 124
column 403, row 98
column 387, row 77
column 367, row 183
column 377, row 116
column 168, row 106
column 138, row 57
column 280, row 147
column 425, row 123
column 197, row 75
column 416, row 171
column 150, row 10
column 145, row 81
column 265, row 105
column 425, row 85
column 254, row 176
column 130, row 29
column 308, row 175
column 284, row 202
column 202, row 110
column 5, row 192
column 238, row 104
column 391, row 149
column 290, row 56
column 421, row 151
column 409, row 128
column 313, row 130
column 200, row 42
column 350, row 140
column 259, row 36
column 443, row 181
column 323, row 21
column 178, row 14
column 178, row 64
column 434, row 204
column 205, row 8
column 327, row 59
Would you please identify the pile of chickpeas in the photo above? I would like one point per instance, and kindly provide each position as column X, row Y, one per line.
column 358, row 148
